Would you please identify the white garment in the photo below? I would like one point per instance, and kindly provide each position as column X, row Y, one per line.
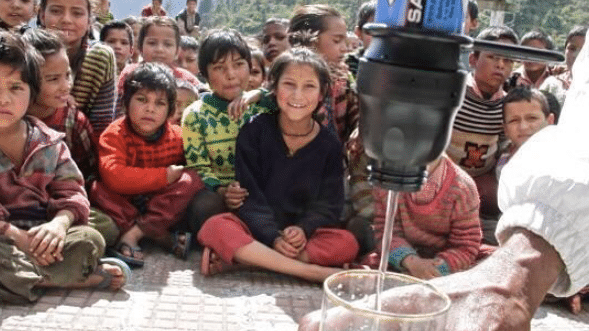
column 545, row 186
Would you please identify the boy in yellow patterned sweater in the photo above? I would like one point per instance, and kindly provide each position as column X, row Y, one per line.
column 208, row 131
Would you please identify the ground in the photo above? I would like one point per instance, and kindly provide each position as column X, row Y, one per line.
column 170, row 294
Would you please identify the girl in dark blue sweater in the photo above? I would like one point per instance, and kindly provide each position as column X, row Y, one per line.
column 292, row 168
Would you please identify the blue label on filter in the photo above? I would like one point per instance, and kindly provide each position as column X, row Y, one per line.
column 440, row 15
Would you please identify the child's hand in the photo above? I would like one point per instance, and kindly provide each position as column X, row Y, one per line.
column 48, row 239
column 235, row 195
column 421, row 268
column 174, row 172
column 239, row 105
column 284, row 248
column 295, row 236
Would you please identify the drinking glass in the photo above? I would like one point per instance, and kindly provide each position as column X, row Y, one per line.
column 406, row 303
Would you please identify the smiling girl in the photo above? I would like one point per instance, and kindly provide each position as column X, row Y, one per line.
column 292, row 168
column 93, row 66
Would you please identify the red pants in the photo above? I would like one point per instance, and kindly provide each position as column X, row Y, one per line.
column 164, row 209
column 226, row 233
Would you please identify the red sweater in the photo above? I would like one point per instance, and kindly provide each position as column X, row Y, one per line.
column 447, row 226
column 129, row 164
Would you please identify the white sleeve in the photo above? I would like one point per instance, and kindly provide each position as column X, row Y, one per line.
column 545, row 186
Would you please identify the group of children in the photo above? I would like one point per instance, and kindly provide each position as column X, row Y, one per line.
column 148, row 134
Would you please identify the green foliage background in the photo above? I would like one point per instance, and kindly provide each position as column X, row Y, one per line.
column 555, row 17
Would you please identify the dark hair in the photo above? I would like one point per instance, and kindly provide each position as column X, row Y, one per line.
column 164, row 21
column 132, row 20
column 540, row 35
column 153, row 77
column 301, row 56
column 473, row 9
column 188, row 42
column 186, row 85
column 311, row 18
column 116, row 25
column 258, row 56
column 187, row 1
column 277, row 21
column 553, row 105
column 45, row 42
column 16, row 53
column 525, row 93
column 495, row 33
column 576, row 31
column 366, row 11
column 218, row 44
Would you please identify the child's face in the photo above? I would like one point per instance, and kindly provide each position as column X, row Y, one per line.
column 16, row 12
column 191, row 6
column 188, row 59
column 184, row 99
column 148, row 111
column 331, row 43
column 491, row 70
column 160, row 45
column 523, row 119
column 69, row 17
column 229, row 76
column 256, row 77
column 56, row 81
column 298, row 92
column 274, row 41
column 535, row 66
column 118, row 39
column 572, row 50
column 14, row 97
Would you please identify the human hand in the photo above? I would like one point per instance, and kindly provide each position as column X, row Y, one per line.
column 234, row 195
column 47, row 240
column 421, row 268
column 500, row 294
column 239, row 105
column 174, row 172
column 284, row 248
column 295, row 236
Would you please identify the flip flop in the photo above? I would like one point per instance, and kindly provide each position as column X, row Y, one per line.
column 132, row 261
column 180, row 251
column 105, row 283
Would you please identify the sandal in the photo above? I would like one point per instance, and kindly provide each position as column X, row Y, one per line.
column 181, row 249
column 131, row 260
column 107, row 281
column 210, row 263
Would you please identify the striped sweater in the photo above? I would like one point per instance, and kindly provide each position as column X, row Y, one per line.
column 209, row 137
column 94, row 87
column 439, row 221
column 477, row 127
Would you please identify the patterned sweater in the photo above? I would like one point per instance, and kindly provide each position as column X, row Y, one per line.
column 440, row 221
column 48, row 181
column 79, row 138
column 209, row 137
column 340, row 112
column 478, row 125
column 130, row 164
column 94, row 87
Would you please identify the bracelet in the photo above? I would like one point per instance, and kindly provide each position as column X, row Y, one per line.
column 4, row 228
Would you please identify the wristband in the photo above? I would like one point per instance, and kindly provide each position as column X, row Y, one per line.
column 4, row 228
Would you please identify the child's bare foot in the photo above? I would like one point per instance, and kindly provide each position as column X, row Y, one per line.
column 211, row 264
column 575, row 304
